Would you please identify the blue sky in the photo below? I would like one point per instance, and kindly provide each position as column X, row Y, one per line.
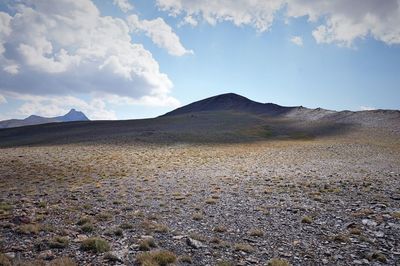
column 153, row 56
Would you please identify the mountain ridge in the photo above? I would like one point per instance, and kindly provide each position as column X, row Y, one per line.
column 238, row 103
column 71, row 116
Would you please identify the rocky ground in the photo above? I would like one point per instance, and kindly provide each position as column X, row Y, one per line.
column 331, row 201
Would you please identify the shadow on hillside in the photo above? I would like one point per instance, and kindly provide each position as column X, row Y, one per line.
column 205, row 128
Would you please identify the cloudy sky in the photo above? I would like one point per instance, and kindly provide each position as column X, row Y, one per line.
column 121, row 59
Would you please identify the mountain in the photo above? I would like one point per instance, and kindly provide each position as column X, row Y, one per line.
column 226, row 118
column 230, row 102
column 72, row 115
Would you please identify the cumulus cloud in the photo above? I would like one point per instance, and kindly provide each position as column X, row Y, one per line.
column 124, row 5
column 2, row 99
column 340, row 21
column 256, row 13
column 367, row 108
column 66, row 47
column 297, row 40
column 59, row 105
column 345, row 22
column 160, row 33
column 189, row 20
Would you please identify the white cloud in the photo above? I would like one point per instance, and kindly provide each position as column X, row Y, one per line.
column 59, row 105
column 340, row 21
column 297, row 40
column 367, row 108
column 256, row 13
column 2, row 99
column 4, row 29
column 160, row 33
column 190, row 21
column 345, row 22
column 151, row 101
column 11, row 69
column 124, row 5
column 66, row 47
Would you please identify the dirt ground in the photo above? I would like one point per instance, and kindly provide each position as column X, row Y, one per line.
column 332, row 201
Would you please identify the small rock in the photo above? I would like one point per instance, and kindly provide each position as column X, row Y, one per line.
column 351, row 225
column 46, row 255
column 146, row 237
column 80, row 238
column 365, row 261
column 178, row 237
column 379, row 234
column 252, row 260
column 369, row 222
column 11, row 255
column 21, row 220
column 338, row 257
column 113, row 256
column 194, row 243
column 380, row 206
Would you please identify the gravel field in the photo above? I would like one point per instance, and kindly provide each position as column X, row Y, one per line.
column 326, row 201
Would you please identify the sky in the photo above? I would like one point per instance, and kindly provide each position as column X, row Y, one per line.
column 129, row 59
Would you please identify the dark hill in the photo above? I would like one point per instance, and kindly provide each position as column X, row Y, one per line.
column 231, row 102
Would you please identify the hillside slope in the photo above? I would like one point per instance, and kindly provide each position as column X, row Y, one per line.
column 221, row 119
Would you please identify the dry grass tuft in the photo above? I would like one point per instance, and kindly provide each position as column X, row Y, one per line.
column 156, row 258
column 95, row 245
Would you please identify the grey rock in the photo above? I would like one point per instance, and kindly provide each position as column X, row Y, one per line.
column 194, row 243
column 369, row 222
column 46, row 255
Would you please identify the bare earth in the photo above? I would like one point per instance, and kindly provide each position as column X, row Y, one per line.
column 333, row 201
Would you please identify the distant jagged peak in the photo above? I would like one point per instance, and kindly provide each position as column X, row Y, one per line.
column 73, row 115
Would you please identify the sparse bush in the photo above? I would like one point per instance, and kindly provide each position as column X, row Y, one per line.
column 225, row 263
column 58, row 242
column 378, row 256
column 396, row 215
column 4, row 260
column 95, row 244
column 111, row 257
column 211, row 201
column 118, row 232
column 84, row 220
column 341, row 238
column 146, row 244
column 197, row 216
column 278, row 262
column 64, row 261
column 87, row 228
column 243, row 247
column 160, row 228
column 104, row 216
column 29, row 229
column 307, row 220
column 126, row 226
column 220, row 229
column 156, row 258
column 186, row 259
column 355, row 231
column 256, row 232
column 5, row 207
